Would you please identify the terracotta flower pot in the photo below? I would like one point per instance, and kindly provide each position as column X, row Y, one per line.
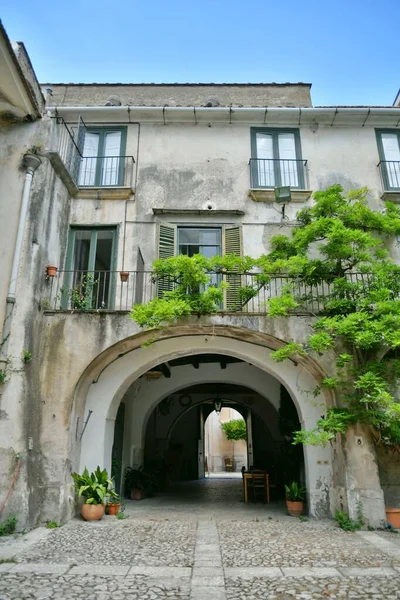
column 295, row 509
column 92, row 512
column 124, row 275
column 137, row 495
column 113, row 509
column 51, row 271
column 393, row 517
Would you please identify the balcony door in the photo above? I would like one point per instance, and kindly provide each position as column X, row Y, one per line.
column 103, row 161
column 389, row 150
column 276, row 159
column 90, row 269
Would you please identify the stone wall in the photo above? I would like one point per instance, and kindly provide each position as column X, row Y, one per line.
column 198, row 94
column 23, row 405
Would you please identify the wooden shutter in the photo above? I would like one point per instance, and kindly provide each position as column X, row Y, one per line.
column 232, row 244
column 166, row 249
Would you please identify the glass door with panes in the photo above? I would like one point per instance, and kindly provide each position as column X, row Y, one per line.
column 102, row 163
column 90, row 276
column 390, row 152
column 200, row 240
column 276, row 164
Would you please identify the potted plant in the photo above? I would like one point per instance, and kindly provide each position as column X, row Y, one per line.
column 113, row 504
column 135, row 483
column 51, row 271
column 295, row 496
column 93, row 487
column 124, row 275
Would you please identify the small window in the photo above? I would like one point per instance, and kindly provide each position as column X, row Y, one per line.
column 103, row 162
column 389, row 152
column 193, row 240
column 276, row 158
column 90, row 268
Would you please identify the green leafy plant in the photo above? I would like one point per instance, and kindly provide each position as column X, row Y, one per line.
column 93, row 487
column 295, row 492
column 81, row 295
column 345, row 522
column 121, row 515
column 140, row 479
column 26, row 356
column 362, row 309
column 52, row 525
column 8, row 526
column 235, row 429
column 3, row 377
column 115, row 499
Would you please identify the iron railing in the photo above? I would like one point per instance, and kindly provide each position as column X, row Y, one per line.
column 65, row 145
column 106, row 171
column 390, row 173
column 247, row 293
column 89, row 171
column 270, row 173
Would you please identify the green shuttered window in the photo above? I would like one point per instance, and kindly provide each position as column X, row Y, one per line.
column 210, row 241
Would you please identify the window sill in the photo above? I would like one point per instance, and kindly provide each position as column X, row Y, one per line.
column 268, row 195
column 105, row 193
column 391, row 196
column 196, row 211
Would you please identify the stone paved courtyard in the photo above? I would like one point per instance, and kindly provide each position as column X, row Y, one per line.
column 198, row 542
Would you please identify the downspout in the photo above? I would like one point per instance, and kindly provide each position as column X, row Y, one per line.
column 31, row 162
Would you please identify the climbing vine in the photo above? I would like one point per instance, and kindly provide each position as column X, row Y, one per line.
column 339, row 254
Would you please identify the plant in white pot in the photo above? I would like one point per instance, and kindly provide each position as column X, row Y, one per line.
column 94, row 488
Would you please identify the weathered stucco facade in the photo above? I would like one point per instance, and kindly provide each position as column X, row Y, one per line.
column 182, row 162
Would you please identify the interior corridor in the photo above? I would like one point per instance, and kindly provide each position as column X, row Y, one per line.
column 208, row 497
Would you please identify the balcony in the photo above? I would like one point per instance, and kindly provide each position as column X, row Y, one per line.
column 248, row 293
column 111, row 176
column 90, row 177
column 269, row 173
column 390, row 177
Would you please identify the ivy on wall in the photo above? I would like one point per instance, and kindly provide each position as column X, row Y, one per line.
column 338, row 247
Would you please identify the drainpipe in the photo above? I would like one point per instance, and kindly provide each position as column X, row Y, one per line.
column 31, row 162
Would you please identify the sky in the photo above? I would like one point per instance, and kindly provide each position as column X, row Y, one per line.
column 348, row 49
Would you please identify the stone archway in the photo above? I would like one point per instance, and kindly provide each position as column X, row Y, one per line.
column 127, row 361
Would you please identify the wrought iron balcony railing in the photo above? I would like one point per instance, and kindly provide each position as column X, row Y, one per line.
column 248, row 293
column 78, row 171
column 390, row 173
column 106, row 171
column 267, row 173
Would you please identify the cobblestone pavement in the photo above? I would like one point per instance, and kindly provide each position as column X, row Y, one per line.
column 177, row 548
column 311, row 543
column 127, row 542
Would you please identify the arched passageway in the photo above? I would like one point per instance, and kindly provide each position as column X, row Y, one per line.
column 175, row 441
column 142, row 379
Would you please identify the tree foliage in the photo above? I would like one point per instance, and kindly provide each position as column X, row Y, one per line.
column 235, row 429
column 338, row 251
column 340, row 247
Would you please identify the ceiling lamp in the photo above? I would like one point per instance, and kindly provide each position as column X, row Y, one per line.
column 217, row 406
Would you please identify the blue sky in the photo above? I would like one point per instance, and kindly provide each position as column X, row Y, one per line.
column 347, row 49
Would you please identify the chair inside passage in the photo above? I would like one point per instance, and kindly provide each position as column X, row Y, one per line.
column 259, row 486
column 229, row 466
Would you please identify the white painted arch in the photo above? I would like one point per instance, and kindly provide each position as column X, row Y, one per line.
column 105, row 395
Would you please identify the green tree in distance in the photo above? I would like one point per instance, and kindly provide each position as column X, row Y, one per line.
column 235, row 429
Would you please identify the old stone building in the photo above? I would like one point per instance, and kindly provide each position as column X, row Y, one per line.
column 114, row 176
